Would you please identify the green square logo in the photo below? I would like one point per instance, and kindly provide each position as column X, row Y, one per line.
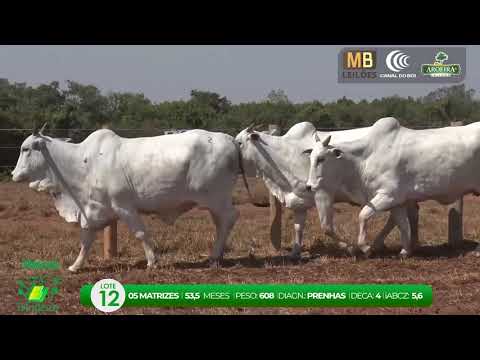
column 38, row 294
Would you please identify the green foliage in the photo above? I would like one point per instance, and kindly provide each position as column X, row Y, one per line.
column 5, row 174
column 277, row 97
column 85, row 107
column 210, row 100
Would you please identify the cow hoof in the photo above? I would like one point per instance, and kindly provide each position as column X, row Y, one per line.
column 72, row 269
column 215, row 264
column 152, row 262
column 352, row 251
column 295, row 253
column 152, row 266
column 294, row 256
column 363, row 252
column 366, row 251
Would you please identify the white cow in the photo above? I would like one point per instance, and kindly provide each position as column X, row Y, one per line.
column 273, row 132
column 393, row 166
column 108, row 177
column 284, row 170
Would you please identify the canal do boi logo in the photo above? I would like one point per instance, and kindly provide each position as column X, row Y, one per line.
column 397, row 61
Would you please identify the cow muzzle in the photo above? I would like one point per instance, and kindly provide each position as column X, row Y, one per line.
column 16, row 177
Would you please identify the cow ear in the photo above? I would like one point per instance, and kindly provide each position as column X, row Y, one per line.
column 38, row 144
column 254, row 136
column 338, row 153
column 307, row 152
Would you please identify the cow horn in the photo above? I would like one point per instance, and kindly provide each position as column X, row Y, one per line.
column 317, row 139
column 250, row 127
column 327, row 140
column 259, row 126
column 43, row 128
column 35, row 129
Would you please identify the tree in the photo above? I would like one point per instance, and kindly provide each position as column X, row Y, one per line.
column 441, row 57
column 210, row 99
column 278, row 97
column 84, row 106
column 451, row 103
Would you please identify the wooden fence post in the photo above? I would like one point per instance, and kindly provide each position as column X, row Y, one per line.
column 275, row 213
column 455, row 216
column 110, row 241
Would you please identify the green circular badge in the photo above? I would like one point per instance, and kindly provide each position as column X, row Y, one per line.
column 107, row 295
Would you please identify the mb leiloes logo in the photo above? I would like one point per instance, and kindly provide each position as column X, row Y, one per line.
column 439, row 68
column 397, row 61
column 359, row 64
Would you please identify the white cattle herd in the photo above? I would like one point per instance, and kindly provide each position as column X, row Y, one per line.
column 385, row 167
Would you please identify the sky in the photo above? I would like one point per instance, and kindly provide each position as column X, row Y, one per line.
column 241, row 73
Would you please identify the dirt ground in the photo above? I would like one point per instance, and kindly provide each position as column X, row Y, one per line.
column 31, row 229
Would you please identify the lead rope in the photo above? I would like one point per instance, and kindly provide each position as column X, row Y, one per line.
column 242, row 171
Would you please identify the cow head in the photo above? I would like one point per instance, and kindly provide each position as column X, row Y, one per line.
column 246, row 140
column 31, row 164
column 324, row 164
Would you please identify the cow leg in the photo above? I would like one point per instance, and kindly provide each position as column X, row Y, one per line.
column 137, row 227
column 224, row 220
column 380, row 202
column 379, row 242
column 324, row 205
column 412, row 210
column 300, row 217
column 86, row 238
column 401, row 218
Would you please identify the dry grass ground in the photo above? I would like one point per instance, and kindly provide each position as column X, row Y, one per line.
column 31, row 229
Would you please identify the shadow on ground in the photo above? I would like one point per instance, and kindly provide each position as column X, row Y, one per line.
column 316, row 251
column 436, row 251
column 331, row 250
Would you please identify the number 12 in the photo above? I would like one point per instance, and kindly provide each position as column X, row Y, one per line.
column 113, row 302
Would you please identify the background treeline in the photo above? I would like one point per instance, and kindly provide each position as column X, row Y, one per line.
column 85, row 107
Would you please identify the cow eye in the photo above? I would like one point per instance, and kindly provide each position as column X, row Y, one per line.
column 25, row 149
